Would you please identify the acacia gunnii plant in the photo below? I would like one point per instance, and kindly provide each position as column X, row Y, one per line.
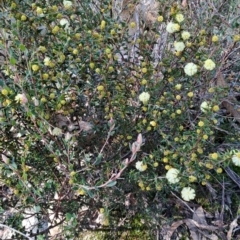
column 110, row 109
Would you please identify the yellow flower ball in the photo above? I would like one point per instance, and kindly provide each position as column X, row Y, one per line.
column 75, row 51
column 42, row 49
column 178, row 86
column 179, row 17
column 144, row 70
column 155, row 164
column 236, row 38
column 140, row 184
column 190, row 94
column 181, row 128
column 214, row 156
column 185, row 35
column 55, row 30
column 215, row 108
column 132, row 24
column 211, row 90
column 204, row 183
column 153, row 123
column 112, row 32
column 52, row 95
column 214, row 38
column 144, row 121
column 188, row 44
column 207, row 176
column 45, row 76
column 200, row 150
column 165, row 160
column 219, row 170
column 54, row 8
column 209, row 64
column 178, row 111
column 172, row 27
column 43, row 100
column 192, row 178
column 209, row 166
column 144, row 97
column 39, row 11
column 67, row 4
column 97, row 70
column 205, row 137
column 179, row 46
column 160, row 18
column 81, row 192
column 23, row 18
column 200, row 123
column 188, row 193
column 190, row 69
column 149, row 128
column 144, row 82
column 100, row 88
column 13, row 5
column 91, row 65
column 4, row 92
column 178, row 97
column 35, row 67
column 110, row 69
column 107, row 50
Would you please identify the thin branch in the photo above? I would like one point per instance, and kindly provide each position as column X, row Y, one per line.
column 3, row 225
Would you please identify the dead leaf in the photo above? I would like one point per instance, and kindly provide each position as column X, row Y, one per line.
column 193, row 226
column 220, row 80
column 229, row 105
column 195, row 235
column 168, row 231
column 233, row 175
column 232, row 226
column 199, row 216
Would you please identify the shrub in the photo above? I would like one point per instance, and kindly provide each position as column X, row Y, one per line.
column 82, row 82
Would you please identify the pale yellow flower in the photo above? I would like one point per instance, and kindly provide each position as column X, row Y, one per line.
column 185, row 35
column 67, row 4
column 173, row 27
column 190, row 69
column 179, row 17
column 160, row 18
column 236, row 159
column 144, row 97
column 192, row 178
column 209, row 64
column 39, row 12
column 21, row 98
column 179, row 46
column 102, row 218
column 140, row 166
column 178, row 86
column 65, row 23
column 214, row 38
column 204, row 106
column 188, row 193
column 47, row 61
column 172, row 175
column 56, row 131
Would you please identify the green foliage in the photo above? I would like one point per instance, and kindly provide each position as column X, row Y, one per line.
column 79, row 87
